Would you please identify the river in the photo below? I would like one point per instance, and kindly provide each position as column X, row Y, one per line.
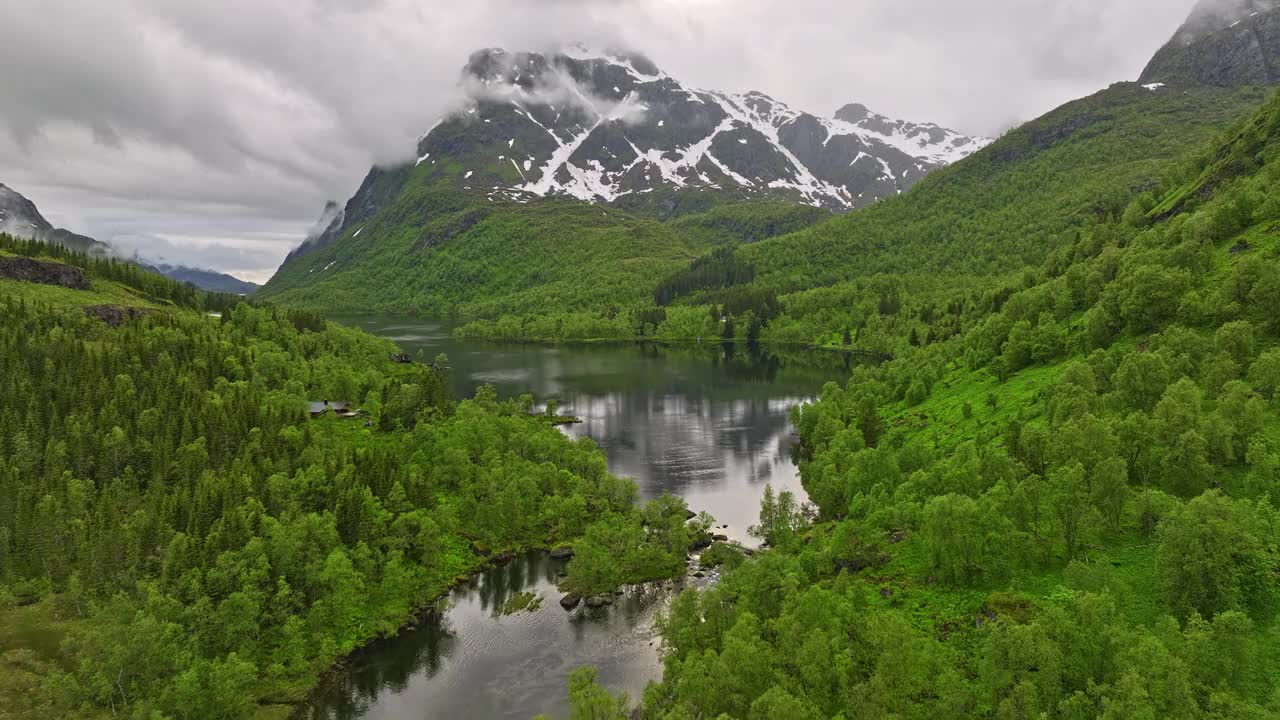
column 708, row 423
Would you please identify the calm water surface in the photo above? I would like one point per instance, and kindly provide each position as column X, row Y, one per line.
column 708, row 423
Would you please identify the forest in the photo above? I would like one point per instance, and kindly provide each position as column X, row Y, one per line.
column 1053, row 497
column 179, row 539
column 1055, row 501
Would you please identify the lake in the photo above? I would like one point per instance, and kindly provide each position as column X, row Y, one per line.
column 706, row 422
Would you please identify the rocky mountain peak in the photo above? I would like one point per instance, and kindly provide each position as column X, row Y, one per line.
column 1211, row 16
column 1224, row 43
column 610, row 125
column 19, row 216
column 853, row 113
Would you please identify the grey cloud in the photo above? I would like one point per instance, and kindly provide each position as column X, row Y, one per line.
column 189, row 125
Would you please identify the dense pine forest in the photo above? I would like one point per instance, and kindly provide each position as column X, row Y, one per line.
column 178, row 538
column 1057, row 501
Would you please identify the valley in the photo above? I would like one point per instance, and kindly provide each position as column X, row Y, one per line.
column 707, row 424
column 627, row 399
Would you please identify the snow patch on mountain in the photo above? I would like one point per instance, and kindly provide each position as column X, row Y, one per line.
column 599, row 125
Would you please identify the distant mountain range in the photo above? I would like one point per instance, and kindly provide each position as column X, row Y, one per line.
column 208, row 280
column 20, row 217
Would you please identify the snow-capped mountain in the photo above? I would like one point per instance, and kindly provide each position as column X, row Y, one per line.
column 602, row 126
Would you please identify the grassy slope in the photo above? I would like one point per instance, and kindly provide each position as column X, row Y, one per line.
column 1008, row 205
column 104, row 292
column 30, row 649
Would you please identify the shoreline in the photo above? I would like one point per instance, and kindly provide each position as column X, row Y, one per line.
column 306, row 694
column 416, row 618
column 601, row 341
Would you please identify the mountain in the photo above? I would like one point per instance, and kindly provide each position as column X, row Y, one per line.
column 1017, row 201
column 606, row 126
column 473, row 227
column 1026, row 494
column 610, row 127
column 20, row 217
column 508, row 196
column 1025, row 196
column 207, row 280
column 1224, row 43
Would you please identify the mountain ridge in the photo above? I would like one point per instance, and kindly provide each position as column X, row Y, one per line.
column 1222, row 44
column 610, row 127
column 20, row 217
column 440, row 236
column 601, row 124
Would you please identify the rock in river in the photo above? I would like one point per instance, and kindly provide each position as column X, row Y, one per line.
column 570, row 601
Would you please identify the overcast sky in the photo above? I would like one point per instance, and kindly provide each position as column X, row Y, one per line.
column 211, row 132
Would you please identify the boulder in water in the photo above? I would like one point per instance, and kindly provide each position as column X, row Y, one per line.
column 570, row 601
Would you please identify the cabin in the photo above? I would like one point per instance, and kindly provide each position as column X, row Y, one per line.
column 341, row 408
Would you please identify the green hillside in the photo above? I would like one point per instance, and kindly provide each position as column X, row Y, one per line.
column 1011, row 204
column 436, row 249
column 180, row 538
column 106, row 281
column 986, row 218
column 1056, row 501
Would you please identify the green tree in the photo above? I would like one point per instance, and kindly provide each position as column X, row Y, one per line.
column 869, row 421
column 1069, row 501
column 958, row 533
column 780, row 518
column 1216, row 554
column 1142, row 379
column 1264, row 373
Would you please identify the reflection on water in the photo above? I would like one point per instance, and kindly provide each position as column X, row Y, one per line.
column 474, row 662
column 709, row 423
